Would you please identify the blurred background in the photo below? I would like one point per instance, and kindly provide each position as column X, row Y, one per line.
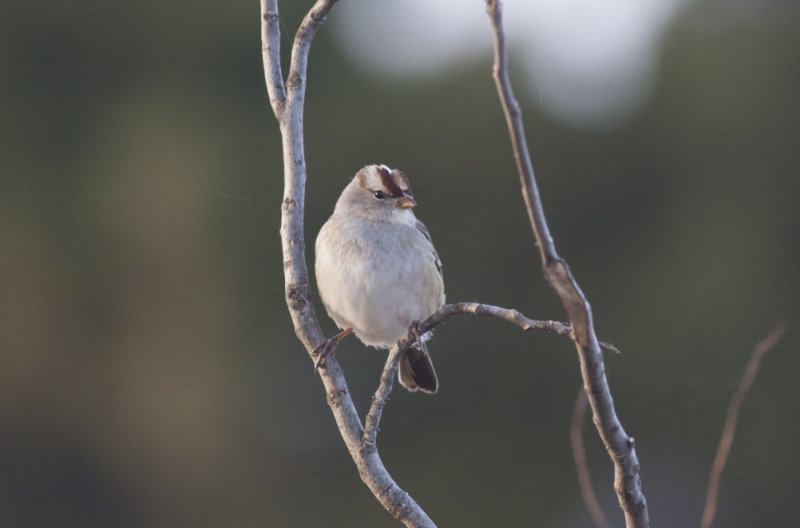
column 150, row 374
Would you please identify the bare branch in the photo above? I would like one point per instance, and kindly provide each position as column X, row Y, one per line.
column 288, row 109
column 444, row 313
column 373, row 418
column 507, row 314
column 287, row 102
column 579, row 453
column 728, row 431
column 619, row 445
column 271, row 56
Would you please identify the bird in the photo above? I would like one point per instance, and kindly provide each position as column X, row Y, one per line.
column 378, row 273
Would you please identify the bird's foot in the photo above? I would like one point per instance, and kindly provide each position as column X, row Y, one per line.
column 328, row 347
column 415, row 334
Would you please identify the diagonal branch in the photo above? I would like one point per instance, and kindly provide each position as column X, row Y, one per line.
column 726, row 440
column 619, row 445
column 373, row 418
column 287, row 104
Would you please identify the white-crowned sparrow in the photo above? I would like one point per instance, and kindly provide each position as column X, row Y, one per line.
column 378, row 272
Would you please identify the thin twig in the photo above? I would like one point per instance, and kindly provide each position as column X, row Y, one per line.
column 287, row 101
column 619, row 445
column 728, row 431
column 373, row 419
column 507, row 314
column 579, row 453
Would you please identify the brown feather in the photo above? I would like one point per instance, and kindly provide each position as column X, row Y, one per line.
column 416, row 371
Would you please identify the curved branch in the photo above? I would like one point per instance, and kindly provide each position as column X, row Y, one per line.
column 444, row 313
column 619, row 445
column 373, row 418
column 287, row 104
column 726, row 439
column 579, row 454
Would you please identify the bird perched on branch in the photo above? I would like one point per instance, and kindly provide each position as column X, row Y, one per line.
column 378, row 273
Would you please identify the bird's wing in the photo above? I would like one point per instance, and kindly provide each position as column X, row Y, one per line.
column 427, row 235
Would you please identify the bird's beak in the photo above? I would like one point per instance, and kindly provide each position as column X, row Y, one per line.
column 405, row 202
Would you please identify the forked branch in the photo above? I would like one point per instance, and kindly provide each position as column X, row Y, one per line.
column 287, row 103
column 444, row 313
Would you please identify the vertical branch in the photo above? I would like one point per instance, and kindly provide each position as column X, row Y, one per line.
column 288, row 108
column 287, row 103
column 290, row 112
column 516, row 130
column 619, row 445
column 726, row 440
column 271, row 56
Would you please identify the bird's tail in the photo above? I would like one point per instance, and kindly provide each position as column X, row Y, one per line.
column 416, row 370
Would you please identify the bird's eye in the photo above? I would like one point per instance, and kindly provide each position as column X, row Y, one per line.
column 380, row 195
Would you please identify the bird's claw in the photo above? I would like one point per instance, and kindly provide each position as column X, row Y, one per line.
column 328, row 347
column 415, row 334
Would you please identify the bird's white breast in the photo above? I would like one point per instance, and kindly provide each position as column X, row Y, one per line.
column 377, row 277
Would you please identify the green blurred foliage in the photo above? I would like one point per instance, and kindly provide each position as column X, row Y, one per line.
column 150, row 375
